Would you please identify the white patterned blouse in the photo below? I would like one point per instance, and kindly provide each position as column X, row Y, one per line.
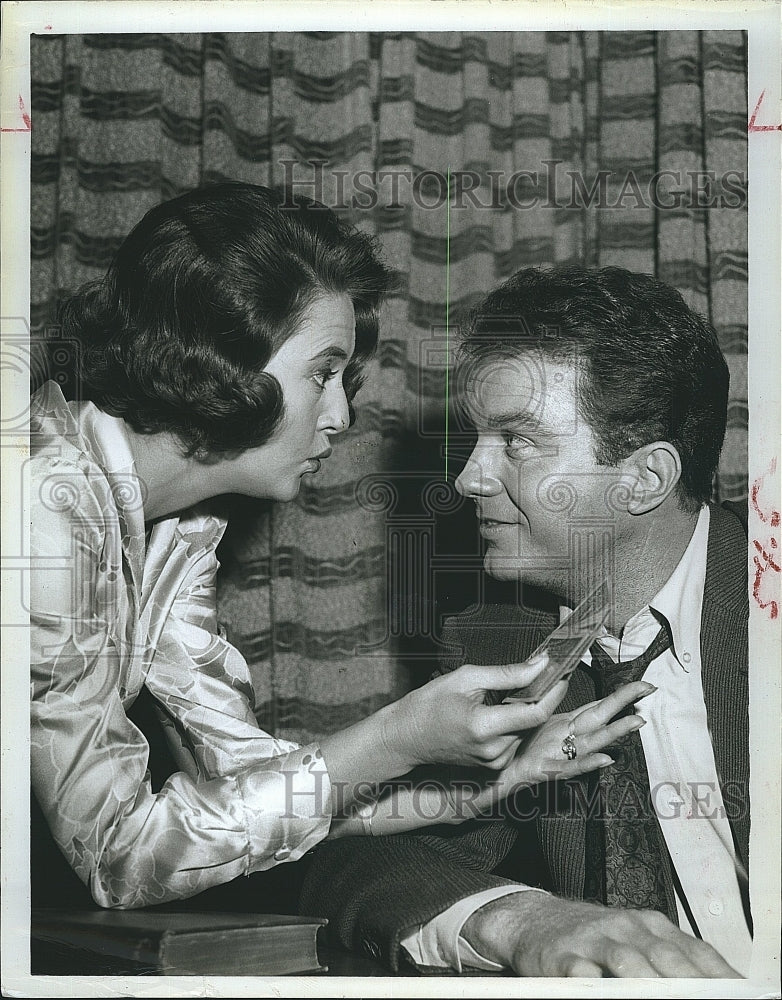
column 114, row 607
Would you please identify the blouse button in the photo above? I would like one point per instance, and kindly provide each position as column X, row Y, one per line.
column 282, row 853
column 715, row 907
column 686, row 657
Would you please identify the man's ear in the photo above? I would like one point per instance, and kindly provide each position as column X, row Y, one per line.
column 654, row 469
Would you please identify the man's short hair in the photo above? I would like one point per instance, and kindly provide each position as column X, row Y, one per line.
column 649, row 367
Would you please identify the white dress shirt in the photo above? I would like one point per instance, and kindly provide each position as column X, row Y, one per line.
column 682, row 777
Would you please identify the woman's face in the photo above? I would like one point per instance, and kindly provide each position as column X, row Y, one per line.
column 309, row 367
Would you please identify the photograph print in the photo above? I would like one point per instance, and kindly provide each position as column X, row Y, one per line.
column 360, row 362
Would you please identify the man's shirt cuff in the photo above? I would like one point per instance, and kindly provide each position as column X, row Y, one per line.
column 438, row 943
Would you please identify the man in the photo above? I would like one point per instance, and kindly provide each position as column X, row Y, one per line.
column 599, row 401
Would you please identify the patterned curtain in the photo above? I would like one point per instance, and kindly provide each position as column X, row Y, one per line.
column 523, row 148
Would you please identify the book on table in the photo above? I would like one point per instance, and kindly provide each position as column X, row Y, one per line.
column 139, row 942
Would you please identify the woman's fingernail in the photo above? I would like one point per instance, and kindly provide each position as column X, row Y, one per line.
column 650, row 689
column 639, row 721
column 607, row 763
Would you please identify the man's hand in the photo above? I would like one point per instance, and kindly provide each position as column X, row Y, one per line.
column 535, row 934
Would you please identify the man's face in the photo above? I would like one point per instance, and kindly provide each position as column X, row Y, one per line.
column 548, row 512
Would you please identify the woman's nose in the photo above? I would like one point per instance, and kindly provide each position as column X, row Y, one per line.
column 336, row 413
column 478, row 478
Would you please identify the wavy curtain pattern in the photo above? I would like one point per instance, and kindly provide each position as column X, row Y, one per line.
column 523, row 148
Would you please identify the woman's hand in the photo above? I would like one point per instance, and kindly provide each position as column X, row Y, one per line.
column 447, row 720
column 541, row 757
column 453, row 798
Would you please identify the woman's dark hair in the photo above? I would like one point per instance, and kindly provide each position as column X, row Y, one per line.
column 649, row 368
column 199, row 297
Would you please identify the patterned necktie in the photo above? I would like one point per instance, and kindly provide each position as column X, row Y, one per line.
column 626, row 857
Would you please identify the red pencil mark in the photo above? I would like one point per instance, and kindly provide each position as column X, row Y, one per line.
column 771, row 517
column 765, row 559
column 769, row 561
column 752, row 127
column 25, row 118
column 47, row 27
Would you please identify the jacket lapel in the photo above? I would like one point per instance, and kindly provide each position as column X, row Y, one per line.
column 724, row 656
column 724, row 666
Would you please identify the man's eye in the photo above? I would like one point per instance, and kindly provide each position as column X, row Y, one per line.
column 516, row 444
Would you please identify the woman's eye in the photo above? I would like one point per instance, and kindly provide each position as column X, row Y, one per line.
column 321, row 378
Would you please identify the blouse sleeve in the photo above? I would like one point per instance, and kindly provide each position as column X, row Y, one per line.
column 131, row 846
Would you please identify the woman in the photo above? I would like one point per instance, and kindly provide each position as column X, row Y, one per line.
column 220, row 354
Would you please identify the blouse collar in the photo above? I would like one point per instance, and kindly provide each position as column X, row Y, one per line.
column 104, row 440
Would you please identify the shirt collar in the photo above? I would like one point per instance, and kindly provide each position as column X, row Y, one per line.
column 679, row 601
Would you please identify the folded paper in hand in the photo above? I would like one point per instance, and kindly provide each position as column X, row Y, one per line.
column 567, row 644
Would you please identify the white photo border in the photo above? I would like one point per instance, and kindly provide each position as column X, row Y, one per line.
column 761, row 20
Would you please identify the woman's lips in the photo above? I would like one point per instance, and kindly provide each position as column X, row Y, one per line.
column 313, row 464
column 488, row 528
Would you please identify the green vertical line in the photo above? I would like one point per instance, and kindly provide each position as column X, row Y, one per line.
column 447, row 311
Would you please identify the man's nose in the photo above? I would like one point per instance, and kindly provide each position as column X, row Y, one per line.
column 479, row 477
